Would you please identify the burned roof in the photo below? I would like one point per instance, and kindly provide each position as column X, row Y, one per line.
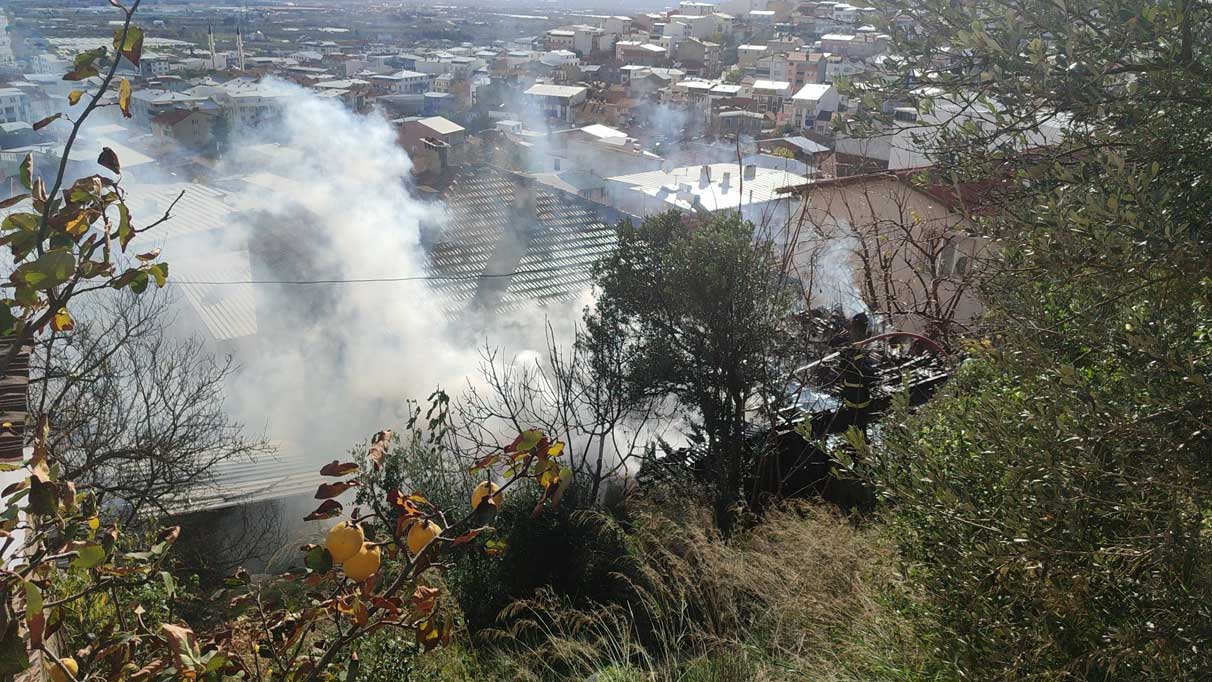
column 533, row 241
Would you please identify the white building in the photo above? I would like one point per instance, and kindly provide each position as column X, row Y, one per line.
column 14, row 106
column 560, row 58
column 813, row 106
column 707, row 189
column 556, row 101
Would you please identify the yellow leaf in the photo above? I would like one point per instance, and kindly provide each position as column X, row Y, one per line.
column 74, row 96
column 550, row 474
column 62, row 321
column 78, row 225
column 556, row 449
column 94, row 523
column 124, row 97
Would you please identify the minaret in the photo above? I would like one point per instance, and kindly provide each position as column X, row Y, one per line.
column 210, row 39
column 240, row 48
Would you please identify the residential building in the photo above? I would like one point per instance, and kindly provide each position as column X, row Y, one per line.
column 14, row 106
column 556, row 101
column 188, row 128
column 813, row 106
column 708, row 189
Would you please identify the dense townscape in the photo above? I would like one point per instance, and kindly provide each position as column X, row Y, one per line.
column 749, row 340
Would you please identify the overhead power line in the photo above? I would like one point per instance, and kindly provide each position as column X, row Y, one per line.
column 364, row 280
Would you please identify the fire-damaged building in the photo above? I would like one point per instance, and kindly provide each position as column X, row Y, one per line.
column 502, row 241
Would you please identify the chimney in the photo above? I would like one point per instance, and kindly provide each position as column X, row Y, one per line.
column 750, row 171
column 726, row 181
column 704, row 176
column 684, row 192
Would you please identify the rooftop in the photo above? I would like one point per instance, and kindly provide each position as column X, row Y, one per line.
column 441, row 125
column 712, row 195
column 549, row 90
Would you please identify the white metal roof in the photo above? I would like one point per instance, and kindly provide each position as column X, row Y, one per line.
column 229, row 311
column 812, row 92
column 441, row 125
column 549, row 90
column 601, row 131
column 712, row 196
column 777, row 86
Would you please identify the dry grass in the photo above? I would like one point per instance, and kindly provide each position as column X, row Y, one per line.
column 804, row 596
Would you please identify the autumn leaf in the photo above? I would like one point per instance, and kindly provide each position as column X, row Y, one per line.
column 73, row 97
column 13, row 200
column 335, row 468
column 327, row 490
column 424, row 599
column 466, row 537
column 130, row 45
column 124, row 97
column 181, row 641
column 62, row 321
column 109, row 159
column 78, row 224
column 46, row 121
column 327, row 510
column 484, row 463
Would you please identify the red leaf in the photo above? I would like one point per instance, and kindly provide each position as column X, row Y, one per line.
column 327, row 490
column 326, row 510
column 484, row 462
column 424, row 599
column 466, row 537
column 335, row 468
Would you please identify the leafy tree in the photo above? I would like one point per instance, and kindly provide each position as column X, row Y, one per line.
column 84, row 597
column 697, row 310
column 1054, row 505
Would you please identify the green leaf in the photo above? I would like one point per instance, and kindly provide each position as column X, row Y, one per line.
column 160, row 272
column 90, row 556
column 132, row 46
column 169, row 585
column 27, row 222
column 50, row 270
column 125, row 233
column 33, row 600
column 27, row 172
column 318, row 560
column 529, row 439
column 139, row 283
column 84, row 66
column 43, row 498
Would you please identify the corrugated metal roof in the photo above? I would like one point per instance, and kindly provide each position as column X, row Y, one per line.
column 200, row 209
column 238, row 482
column 229, row 311
column 567, row 235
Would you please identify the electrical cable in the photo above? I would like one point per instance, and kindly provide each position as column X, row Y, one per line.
column 364, row 280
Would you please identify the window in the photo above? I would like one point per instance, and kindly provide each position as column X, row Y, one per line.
column 961, row 265
column 905, row 115
column 555, row 164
